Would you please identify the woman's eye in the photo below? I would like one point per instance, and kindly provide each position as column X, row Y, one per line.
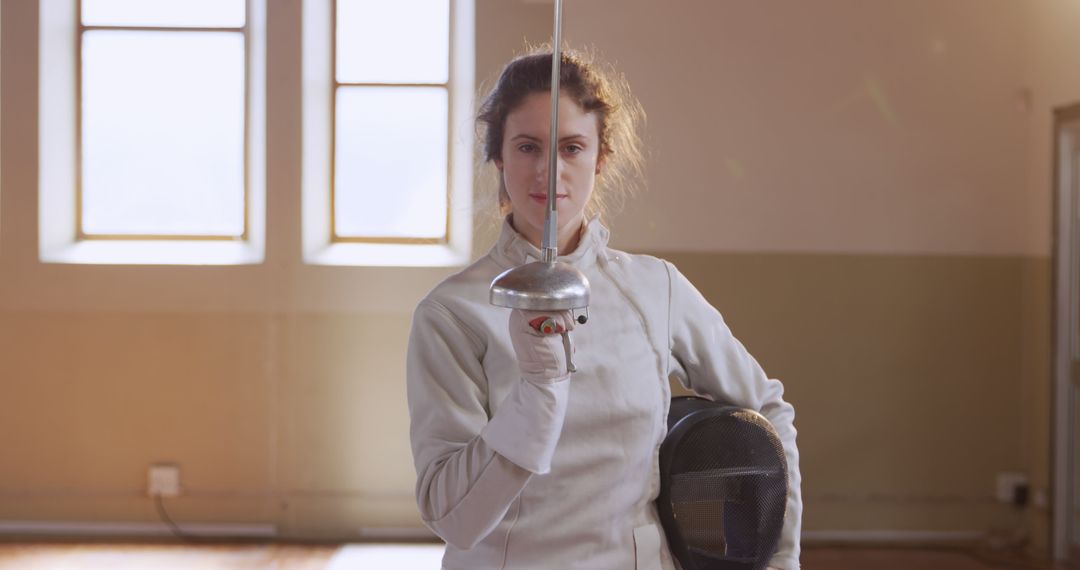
column 572, row 149
column 527, row 147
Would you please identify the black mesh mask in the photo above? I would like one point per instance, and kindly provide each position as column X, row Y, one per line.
column 723, row 486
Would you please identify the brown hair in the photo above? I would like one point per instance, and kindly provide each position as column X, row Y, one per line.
column 596, row 88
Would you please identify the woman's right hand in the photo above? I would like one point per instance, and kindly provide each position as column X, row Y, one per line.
column 541, row 356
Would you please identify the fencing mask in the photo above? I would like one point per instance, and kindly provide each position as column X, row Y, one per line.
column 723, row 486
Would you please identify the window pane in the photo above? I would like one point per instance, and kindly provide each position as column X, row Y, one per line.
column 391, row 162
column 163, row 133
column 403, row 41
column 166, row 13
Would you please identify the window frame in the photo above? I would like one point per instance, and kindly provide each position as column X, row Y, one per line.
column 322, row 244
column 80, row 31
column 61, row 238
column 336, row 88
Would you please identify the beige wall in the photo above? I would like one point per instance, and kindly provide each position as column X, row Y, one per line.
column 860, row 189
column 825, row 126
column 904, row 371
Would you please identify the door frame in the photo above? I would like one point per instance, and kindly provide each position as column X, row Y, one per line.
column 1066, row 282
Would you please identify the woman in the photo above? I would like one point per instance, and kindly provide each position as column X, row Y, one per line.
column 520, row 463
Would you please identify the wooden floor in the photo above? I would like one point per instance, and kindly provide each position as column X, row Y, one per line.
column 90, row 556
column 902, row 558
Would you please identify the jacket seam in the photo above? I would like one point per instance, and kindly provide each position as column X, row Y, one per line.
column 474, row 338
column 654, row 481
column 637, row 309
column 506, row 541
column 670, row 303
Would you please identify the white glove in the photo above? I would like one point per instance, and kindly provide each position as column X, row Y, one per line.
column 542, row 357
column 527, row 425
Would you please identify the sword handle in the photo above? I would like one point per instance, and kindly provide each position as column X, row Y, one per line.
column 547, row 325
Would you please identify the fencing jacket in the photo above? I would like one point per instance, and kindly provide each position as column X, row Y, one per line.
column 563, row 474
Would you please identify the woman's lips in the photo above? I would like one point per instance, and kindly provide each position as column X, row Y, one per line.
column 542, row 198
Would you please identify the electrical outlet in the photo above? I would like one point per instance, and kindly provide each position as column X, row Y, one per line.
column 163, row 479
column 1010, row 487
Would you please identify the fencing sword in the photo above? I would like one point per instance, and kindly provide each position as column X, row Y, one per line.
column 548, row 284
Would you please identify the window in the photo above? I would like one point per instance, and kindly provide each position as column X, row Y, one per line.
column 161, row 137
column 387, row 168
column 152, row 131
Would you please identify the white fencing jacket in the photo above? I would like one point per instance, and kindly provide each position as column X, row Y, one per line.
column 563, row 474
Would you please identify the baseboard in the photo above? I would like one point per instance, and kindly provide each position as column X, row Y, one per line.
column 133, row 529
column 390, row 534
column 892, row 536
column 409, row 534
column 899, row 537
column 397, row 534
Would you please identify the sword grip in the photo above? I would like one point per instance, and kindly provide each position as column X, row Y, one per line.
column 569, row 356
column 546, row 325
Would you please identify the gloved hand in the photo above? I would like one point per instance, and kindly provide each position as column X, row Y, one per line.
column 542, row 357
column 526, row 426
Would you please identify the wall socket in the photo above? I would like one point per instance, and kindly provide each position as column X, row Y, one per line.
column 1012, row 488
column 163, row 479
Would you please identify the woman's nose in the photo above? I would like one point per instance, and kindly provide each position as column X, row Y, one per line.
column 542, row 168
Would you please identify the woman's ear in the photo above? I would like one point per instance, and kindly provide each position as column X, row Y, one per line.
column 599, row 163
column 498, row 163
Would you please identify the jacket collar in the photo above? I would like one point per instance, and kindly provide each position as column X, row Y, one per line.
column 512, row 249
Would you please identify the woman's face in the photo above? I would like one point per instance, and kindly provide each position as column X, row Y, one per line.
column 524, row 163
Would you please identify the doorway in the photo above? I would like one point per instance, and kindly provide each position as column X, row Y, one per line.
column 1066, row 318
